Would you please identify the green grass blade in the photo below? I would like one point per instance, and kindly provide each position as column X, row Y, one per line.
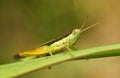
column 22, row 67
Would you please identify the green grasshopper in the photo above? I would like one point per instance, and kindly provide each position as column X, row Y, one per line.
column 56, row 45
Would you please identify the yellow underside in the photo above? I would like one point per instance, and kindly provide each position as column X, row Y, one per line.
column 37, row 51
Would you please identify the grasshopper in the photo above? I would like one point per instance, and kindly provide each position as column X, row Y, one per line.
column 56, row 45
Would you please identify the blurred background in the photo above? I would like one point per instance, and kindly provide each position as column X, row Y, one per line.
column 25, row 24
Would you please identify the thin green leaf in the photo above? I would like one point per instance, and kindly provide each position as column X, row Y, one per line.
column 22, row 67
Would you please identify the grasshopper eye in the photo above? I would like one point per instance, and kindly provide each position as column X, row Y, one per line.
column 76, row 31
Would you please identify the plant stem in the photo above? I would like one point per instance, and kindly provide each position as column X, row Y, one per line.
column 22, row 67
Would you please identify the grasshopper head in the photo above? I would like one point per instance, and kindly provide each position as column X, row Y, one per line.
column 76, row 31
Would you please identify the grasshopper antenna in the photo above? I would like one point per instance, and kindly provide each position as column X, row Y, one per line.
column 90, row 26
column 84, row 22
